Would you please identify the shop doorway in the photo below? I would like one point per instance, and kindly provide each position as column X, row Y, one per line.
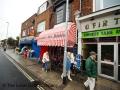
column 119, row 62
column 108, row 60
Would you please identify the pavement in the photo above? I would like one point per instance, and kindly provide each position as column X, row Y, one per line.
column 53, row 79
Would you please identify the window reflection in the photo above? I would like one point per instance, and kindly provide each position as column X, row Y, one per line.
column 107, row 69
column 107, row 53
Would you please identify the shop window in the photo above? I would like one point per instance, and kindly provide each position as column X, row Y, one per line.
column 107, row 69
column 56, row 58
column 88, row 40
column 41, row 26
column 107, row 39
column 107, row 53
column 102, row 4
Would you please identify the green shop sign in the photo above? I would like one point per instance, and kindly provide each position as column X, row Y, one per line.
column 102, row 33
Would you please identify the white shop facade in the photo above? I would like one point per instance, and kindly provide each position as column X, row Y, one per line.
column 100, row 32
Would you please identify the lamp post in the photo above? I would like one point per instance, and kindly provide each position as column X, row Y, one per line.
column 7, row 32
column 0, row 36
column 65, row 44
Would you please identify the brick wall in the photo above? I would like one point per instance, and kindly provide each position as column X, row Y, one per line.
column 45, row 16
column 86, row 7
column 49, row 15
column 28, row 23
column 75, row 5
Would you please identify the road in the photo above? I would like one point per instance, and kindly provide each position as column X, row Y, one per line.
column 11, row 78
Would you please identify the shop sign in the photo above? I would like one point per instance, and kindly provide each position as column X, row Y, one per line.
column 27, row 38
column 102, row 33
column 52, row 36
column 111, row 21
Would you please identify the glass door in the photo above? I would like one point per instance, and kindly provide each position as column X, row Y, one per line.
column 119, row 62
column 108, row 60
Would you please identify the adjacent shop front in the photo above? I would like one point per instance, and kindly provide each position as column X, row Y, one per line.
column 53, row 41
column 30, row 43
column 100, row 32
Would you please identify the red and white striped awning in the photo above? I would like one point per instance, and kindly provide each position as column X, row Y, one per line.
column 56, row 36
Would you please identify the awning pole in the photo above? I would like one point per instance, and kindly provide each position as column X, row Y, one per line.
column 65, row 44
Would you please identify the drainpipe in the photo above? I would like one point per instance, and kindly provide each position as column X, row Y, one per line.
column 77, row 16
column 80, row 6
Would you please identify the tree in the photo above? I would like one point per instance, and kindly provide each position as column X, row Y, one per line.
column 3, row 42
column 17, row 40
column 11, row 41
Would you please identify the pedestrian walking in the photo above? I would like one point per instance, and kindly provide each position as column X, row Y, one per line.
column 91, row 70
column 4, row 48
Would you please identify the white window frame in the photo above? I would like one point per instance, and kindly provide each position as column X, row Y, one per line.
column 42, row 8
column 24, row 33
column 41, row 26
column 101, row 5
column 94, row 5
column 57, row 11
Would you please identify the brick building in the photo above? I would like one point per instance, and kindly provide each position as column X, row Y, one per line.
column 52, row 35
column 43, row 18
column 28, row 27
column 28, row 32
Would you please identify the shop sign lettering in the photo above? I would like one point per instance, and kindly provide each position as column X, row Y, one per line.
column 53, row 36
column 101, row 33
column 111, row 21
column 27, row 38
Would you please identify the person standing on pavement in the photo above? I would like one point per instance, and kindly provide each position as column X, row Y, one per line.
column 68, row 66
column 72, row 58
column 91, row 70
column 45, row 61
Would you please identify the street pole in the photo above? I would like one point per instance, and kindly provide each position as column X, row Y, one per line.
column 0, row 36
column 65, row 44
column 7, row 32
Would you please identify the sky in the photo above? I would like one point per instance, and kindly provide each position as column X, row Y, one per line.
column 15, row 12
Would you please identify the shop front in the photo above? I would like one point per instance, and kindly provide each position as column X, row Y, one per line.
column 26, row 41
column 53, row 41
column 30, row 43
column 100, row 32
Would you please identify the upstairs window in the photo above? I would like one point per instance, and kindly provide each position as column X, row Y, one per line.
column 102, row 4
column 42, row 8
column 61, row 13
column 24, row 33
column 41, row 26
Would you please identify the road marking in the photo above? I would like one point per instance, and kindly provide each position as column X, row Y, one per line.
column 40, row 88
column 24, row 73
column 18, row 67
